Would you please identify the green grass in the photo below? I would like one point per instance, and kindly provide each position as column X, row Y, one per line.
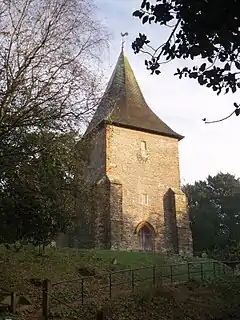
column 17, row 268
column 62, row 265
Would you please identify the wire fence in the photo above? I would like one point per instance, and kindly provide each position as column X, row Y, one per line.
column 81, row 291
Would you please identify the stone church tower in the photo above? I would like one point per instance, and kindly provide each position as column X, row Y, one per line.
column 132, row 173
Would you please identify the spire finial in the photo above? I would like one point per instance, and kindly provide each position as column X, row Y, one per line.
column 123, row 41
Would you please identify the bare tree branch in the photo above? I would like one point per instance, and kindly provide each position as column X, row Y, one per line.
column 49, row 56
column 236, row 112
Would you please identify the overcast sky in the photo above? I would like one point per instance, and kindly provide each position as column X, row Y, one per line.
column 207, row 148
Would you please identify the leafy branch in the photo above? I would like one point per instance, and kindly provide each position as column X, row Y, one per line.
column 207, row 30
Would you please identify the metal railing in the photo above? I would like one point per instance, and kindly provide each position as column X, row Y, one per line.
column 80, row 291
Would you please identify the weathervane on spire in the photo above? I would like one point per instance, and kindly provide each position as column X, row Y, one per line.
column 123, row 41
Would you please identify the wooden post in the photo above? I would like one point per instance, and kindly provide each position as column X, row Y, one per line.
column 189, row 272
column 154, row 276
column 133, row 280
column 46, row 292
column 224, row 268
column 13, row 302
column 171, row 273
column 110, row 285
column 214, row 269
column 100, row 315
column 202, row 276
column 82, row 288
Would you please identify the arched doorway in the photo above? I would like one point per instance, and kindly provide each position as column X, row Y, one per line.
column 146, row 236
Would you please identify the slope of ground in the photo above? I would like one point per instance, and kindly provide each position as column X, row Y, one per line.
column 18, row 268
column 23, row 272
column 189, row 301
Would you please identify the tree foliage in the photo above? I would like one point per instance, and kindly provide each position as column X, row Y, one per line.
column 37, row 198
column 207, row 32
column 214, row 209
column 50, row 51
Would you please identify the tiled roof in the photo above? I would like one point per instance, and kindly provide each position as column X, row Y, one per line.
column 124, row 105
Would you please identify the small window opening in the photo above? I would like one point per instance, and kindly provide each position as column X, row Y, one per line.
column 145, row 199
column 143, row 146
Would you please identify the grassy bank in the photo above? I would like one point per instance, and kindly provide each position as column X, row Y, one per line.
column 23, row 272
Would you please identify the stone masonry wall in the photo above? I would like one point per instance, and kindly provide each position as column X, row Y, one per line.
column 101, row 214
column 116, row 214
column 171, row 231
column 92, row 207
column 182, row 220
column 96, row 167
column 152, row 172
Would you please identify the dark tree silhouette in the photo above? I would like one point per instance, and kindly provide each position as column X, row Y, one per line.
column 214, row 209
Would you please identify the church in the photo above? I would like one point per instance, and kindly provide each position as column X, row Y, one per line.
column 135, row 202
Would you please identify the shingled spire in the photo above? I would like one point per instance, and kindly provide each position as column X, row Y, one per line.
column 124, row 105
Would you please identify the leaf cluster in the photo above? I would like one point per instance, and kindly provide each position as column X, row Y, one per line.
column 37, row 192
column 199, row 30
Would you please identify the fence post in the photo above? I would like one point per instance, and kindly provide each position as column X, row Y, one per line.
column 154, row 276
column 133, row 280
column 110, row 285
column 189, row 271
column 100, row 315
column 82, row 290
column 214, row 269
column 46, row 291
column 13, row 302
column 202, row 277
column 171, row 273
column 224, row 268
